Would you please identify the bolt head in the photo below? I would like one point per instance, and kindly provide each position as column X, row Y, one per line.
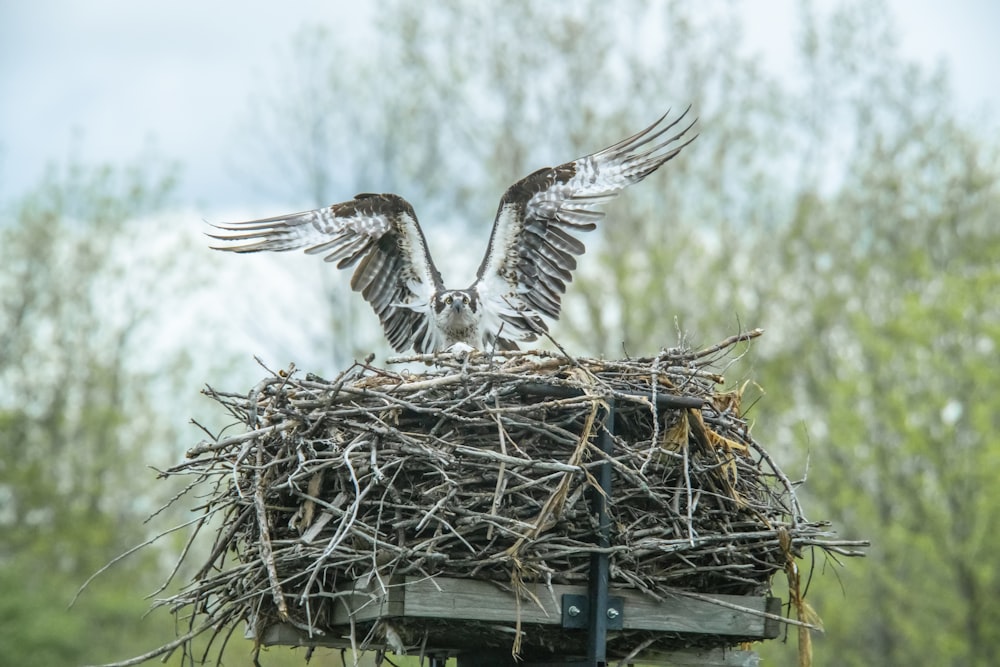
column 573, row 610
column 612, row 613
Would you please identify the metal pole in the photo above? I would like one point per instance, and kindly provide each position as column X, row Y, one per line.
column 597, row 627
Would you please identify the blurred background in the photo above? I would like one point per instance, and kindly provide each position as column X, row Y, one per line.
column 843, row 195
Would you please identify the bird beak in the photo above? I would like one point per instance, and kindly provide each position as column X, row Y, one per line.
column 457, row 305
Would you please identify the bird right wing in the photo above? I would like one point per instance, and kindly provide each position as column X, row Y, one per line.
column 377, row 232
column 534, row 245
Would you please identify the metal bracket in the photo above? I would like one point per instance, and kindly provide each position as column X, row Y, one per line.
column 576, row 612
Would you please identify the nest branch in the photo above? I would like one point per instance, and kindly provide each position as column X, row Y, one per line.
column 478, row 467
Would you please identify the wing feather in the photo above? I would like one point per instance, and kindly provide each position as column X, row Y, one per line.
column 533, row 245
column 380, row 235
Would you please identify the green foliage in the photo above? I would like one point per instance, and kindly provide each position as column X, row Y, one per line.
column 850, row 212
column 887, row 336
column 72, row 422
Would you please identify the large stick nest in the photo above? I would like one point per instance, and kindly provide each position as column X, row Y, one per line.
column 466, row 469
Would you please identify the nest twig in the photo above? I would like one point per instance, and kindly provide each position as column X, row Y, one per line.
column 469, row 470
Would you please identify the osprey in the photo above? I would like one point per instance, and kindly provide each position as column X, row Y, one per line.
column 530, row 258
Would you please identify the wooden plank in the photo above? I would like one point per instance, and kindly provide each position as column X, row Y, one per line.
column 687, row 657
column 772, row 626
column 368, row 599
column 286, row 634
column 715, row 657
column 466, row 599
column 458, row 600
column 682, row 614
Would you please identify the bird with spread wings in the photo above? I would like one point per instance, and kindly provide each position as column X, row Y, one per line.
column 529, row 261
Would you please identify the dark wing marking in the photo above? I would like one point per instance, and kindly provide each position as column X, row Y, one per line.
column 379, row 234
column 533, row 246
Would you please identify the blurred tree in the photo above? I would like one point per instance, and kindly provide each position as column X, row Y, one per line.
column 879, row 291
column 511, row 73
column 76, row 418
column 848, row 211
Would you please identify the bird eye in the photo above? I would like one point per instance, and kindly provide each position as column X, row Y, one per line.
column 447, row 299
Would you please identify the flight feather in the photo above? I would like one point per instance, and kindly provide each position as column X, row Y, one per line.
column 377, row 233
column 530, row 259
column 533, row 247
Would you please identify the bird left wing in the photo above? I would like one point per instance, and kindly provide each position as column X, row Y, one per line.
column 533, row 246
column 378, row 233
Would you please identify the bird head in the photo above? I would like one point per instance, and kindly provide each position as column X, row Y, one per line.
column 456, row 304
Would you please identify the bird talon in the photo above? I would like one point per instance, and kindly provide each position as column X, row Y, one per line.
column 461, row 349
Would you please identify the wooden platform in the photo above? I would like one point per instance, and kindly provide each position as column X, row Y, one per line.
column 457, row 607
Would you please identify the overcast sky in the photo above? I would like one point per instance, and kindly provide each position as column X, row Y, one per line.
column 104, row 78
